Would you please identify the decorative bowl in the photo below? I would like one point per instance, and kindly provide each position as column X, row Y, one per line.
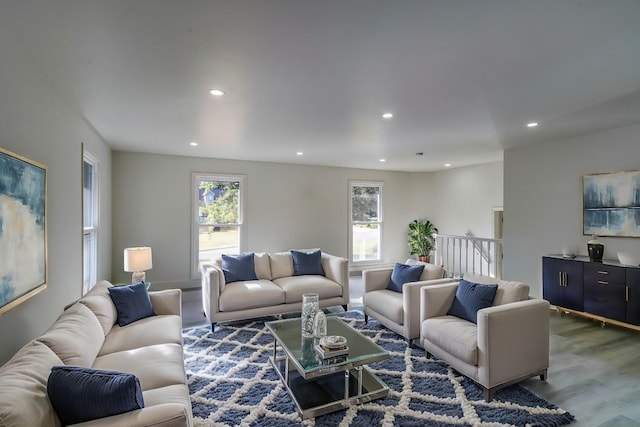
column 629, row 258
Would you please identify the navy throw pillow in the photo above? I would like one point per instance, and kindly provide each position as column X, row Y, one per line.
column 238, row 268
column 471, row 297
column 307, row 263
column 80, row 394
column 403, row 273
column 132, row 302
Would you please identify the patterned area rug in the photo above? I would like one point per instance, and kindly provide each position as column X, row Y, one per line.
column 232, row 383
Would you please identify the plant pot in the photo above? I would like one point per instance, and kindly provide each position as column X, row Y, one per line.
column 426, row 258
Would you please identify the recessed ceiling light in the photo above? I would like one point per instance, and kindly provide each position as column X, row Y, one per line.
column 216, row 92
column 299, row 153
column 193, row 144
column 447, row 165
column 383, row 160
column 532, row 124
column 387, row 115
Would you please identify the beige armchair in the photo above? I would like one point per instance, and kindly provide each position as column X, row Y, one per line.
column 399, row 312
column 509, row 344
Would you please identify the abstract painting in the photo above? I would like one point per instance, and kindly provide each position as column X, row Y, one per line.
column 23, row 229
column 611, row 204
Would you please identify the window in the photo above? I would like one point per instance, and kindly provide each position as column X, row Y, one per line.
column 366, row 221
column 218, row 222
column 89, row 220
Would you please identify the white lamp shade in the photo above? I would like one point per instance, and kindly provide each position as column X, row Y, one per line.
column 137, row 259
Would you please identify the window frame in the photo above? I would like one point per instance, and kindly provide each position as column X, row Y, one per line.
column 92, row 230
column 196, row 177
column 379, row 222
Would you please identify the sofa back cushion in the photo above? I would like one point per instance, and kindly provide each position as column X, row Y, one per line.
column 281, row 265
column 23, row 387
column 76, row 337
column 507, row 291
column 430, row 272
column 104, row 309
column 262, row 265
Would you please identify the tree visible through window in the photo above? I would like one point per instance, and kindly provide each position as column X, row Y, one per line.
column 366, row 221
column 218, row 226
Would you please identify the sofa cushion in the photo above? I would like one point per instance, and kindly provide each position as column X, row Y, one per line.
column 262, row 265
column 402, row 274
column 251, row 294
column 507, row 291
column 23, row 387
column 76, row 336
column 295, row 286
column 81, row 394
column 456, row 336
column 307, row 263
column 177, row 394
column 132, row 302
column 155, row 365
column 238, row 268
column 386, row 302
column 471, row 297
column 149, row 331
column 281, row 265
column 104, row 309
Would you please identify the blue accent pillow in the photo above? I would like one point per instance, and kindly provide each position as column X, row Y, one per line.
column 132, row 302
column 403, row 273
column 80, row 394
column 305, row 263
column 471, row 297
column 237, row 268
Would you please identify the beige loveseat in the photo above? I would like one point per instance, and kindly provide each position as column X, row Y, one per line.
column 509, row 344
column 276, row 291
column 399, row 312
column 86, row 334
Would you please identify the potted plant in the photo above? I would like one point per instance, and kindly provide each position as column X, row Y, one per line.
column 422, row 239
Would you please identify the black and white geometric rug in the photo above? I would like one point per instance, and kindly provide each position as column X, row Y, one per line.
column 232, row 383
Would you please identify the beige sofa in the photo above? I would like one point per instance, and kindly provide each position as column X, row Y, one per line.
column 399, row 312
column 509, row 344
column 276, row 291
column 86, row 334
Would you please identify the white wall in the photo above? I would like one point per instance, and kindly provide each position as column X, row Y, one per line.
column 288, row 206
column 37, row 124
column 543, row 198
column 465, row 199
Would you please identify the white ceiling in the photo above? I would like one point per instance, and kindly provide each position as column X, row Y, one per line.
column 463, row 77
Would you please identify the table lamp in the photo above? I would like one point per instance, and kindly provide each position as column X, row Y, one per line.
column 136, row 261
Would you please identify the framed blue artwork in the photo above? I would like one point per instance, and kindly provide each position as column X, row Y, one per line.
column 611, row 204
column 23, row 229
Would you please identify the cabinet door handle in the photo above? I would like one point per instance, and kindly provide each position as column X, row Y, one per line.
column 566, row 279
column 601, row 282
column 626, row 293
column 602, row 272
column 560, row 278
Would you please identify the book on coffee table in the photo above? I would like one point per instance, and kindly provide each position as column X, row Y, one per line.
column 326, row 353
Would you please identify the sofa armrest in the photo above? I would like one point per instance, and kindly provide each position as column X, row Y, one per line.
column 167, row 302
column 411, row 304
column 513, row 340
column 336, row 269
column 212, row 282
column 376, row 279
column 163, row 415
column 436, row 300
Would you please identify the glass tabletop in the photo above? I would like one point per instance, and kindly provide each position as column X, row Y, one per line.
column 288, row 334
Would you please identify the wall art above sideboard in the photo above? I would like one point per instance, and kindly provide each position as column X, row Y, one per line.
column 611, row 204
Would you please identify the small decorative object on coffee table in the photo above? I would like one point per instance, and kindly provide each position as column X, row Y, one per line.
column 310, row 308
column 320, row 325
column 332, row 346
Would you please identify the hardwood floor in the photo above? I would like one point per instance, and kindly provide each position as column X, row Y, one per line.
column 594, row 372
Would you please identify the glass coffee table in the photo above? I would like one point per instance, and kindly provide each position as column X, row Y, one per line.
column 320, row 386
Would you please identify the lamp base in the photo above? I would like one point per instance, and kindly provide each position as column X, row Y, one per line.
column 138, row 276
